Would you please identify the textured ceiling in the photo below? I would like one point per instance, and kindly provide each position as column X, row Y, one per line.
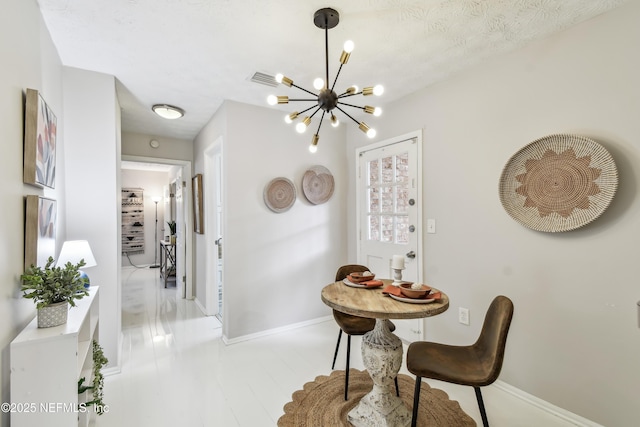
column 197, row 53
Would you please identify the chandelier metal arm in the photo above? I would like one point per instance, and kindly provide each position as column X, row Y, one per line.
column 303, row 99
column 307, row 109
column 348, row 115
column 314, row 113
column 347, row 94
column 326, row 50
column 304, row 90
column 321, row 120
column 351, row 105
column 336, row 79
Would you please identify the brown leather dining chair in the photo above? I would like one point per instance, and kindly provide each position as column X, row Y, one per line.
column 353, row 325
column 476, row 365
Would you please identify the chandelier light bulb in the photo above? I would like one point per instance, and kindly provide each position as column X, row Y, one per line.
column 272, row 100
column 314, row 143
column 318, row 83
column 371, row 133
column 378, row 90
column 302, row 126
column 348, row 46
column 334, row 121
column 377, row 111
column 279, row 77
column 287, row 119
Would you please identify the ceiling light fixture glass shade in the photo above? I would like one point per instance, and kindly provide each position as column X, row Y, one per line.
column 168, row 111
column 326, row 99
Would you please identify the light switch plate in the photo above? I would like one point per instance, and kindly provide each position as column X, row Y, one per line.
column 431, row 226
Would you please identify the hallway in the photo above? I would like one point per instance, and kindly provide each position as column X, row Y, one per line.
column 177, row 371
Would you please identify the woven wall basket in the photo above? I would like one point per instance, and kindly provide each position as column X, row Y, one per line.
column 317, row 185
column 558, row 183
column 279, row 194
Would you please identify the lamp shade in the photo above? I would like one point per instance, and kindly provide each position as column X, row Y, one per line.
column 75, row 250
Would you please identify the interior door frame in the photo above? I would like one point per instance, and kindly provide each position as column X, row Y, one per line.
column 186, row 171
column 394, row 140
column 419, row 329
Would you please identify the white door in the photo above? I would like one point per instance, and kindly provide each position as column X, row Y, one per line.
column 180, row 235
column 213, row 223
column 389, row 214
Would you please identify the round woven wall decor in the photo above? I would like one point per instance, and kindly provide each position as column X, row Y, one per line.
column 317, row 184
column 558, row 183
column 279, row 194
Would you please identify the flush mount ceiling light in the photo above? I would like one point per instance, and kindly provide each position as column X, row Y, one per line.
column 327, row 99
column 168, row 111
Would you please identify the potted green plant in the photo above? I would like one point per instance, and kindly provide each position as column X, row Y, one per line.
column 97, row 386
column 53, row 289
column 172, row 230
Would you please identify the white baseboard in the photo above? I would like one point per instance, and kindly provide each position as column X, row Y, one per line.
column 200, row 306
column 545, row 406
column 273, row 331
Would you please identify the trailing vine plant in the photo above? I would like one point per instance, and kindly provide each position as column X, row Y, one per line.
column 99, row 361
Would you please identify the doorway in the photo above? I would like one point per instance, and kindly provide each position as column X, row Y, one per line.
column 184, row 280
column 389, row 213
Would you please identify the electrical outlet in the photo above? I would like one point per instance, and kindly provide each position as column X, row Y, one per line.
column 463, row 315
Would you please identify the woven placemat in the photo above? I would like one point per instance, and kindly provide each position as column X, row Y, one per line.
column 279, row 194
column 317, row 184
column 321, row 402
column 558, row 183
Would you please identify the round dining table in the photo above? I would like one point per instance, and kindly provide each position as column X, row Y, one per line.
column 381, row 349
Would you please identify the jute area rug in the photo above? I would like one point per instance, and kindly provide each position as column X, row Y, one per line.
column 321, row 402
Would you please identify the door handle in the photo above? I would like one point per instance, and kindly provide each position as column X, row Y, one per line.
column 411, row 254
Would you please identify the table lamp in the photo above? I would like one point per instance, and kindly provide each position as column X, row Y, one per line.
column 75, row 250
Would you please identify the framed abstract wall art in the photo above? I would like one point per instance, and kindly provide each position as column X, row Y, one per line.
column 39, row 230
column 198, row 210
column 40, row 129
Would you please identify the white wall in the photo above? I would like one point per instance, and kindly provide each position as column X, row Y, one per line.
column 93, row 189
column 137, row 144
column 152, row 182
column 574, row 340
column 29, row 60
column 275, row 265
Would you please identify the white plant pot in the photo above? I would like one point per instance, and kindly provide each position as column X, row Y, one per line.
column 53, row 315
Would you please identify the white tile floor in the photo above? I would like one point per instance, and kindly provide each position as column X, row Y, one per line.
column 177, row 371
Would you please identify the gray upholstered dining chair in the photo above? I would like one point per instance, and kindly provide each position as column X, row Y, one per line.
column 476, row 365
column 353, row 325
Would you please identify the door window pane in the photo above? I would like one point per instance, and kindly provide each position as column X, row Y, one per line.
column 387, row 228
column 374, row 227
column 402, row 199
column 374, row 200
column 402, row 229
column 374, row 172
column 387, row 199
column 402, row 167
column 387, row 169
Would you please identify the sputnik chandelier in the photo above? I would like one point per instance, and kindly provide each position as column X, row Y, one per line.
column 327, row 99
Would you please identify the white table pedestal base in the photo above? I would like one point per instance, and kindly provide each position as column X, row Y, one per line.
column 382, row 356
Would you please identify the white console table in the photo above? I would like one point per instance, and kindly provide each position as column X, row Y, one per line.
column 46, row 364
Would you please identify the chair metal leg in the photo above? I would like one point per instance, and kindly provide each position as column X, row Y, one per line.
column 335, row 355
column 395, row 380
column 483, row 413
column 416, row 402
column 346, row 373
